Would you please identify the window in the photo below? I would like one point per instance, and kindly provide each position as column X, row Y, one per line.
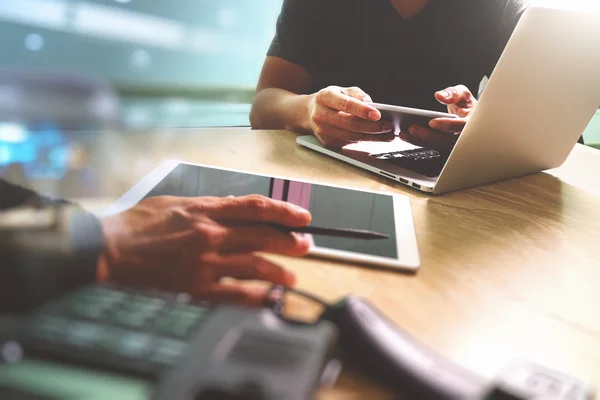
column 184, row 63
column 142, row 63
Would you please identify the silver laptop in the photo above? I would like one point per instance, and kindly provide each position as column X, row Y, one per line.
column 543, row 93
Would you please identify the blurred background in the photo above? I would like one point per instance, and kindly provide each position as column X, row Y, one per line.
column 131, row 64
column 128, row 65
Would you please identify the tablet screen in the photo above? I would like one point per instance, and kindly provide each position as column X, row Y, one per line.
column 330, row 207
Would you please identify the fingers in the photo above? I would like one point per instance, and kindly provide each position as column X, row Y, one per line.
column 459, row 95
column 255, row 208
column 263, row 238
column 407, row 137
column 247, row 267
column 448, row 124
column 335, row 98
column 340, row 116
column 233, row 294
column 383, row 137
column 336, row 137
column 328, row 117
column 332, row 142
column 357, row 93
column 433, row 138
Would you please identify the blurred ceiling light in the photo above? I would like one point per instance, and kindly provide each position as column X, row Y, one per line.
column 140, row 58
column 41, row 13
column 120, row 24
column 34, row 42
column 13, row 133
column 122, row 1
column 114, row 23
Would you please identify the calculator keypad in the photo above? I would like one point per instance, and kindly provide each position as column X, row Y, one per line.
column 103, row 326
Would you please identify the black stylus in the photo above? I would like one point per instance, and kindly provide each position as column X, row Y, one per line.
column 338, row 232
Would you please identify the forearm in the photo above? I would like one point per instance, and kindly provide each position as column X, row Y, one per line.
column 275, row 108
column 38, row 263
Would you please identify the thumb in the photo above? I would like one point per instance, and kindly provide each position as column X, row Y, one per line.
column 454, row 95
column 444, row 97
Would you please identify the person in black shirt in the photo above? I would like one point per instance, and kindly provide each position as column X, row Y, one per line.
column 330, row 56
column 169, row 243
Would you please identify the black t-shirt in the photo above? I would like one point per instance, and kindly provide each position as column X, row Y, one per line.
column 366, row 43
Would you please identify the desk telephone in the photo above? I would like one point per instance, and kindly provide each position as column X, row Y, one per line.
column 195, row 350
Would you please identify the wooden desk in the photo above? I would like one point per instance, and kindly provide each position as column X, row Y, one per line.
column 510, row 271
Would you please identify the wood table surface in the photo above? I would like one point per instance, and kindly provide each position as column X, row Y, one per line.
column 510, row 271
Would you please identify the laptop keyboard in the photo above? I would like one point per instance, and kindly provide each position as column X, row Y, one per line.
column 427, row 162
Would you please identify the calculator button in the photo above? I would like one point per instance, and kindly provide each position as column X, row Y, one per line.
column 48, row 328
column 180, row 321
column 182, row 328
column 168, row 351
column 89, row 310
column 130, row 319
column 174, row 327
column 146, row 305
column 185, row 316
column 103, row 295
column 133, row 344
column 83, row 334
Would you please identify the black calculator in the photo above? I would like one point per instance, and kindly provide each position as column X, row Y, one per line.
column 136, row 332
column 191, row 349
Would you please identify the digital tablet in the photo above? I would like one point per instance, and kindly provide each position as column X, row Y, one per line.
column 404, row 117
column 331, row 206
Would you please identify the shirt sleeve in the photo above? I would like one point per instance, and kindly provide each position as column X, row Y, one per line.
column 503, row 20
column 298, row 32
column 30, row 276
column 12, row 196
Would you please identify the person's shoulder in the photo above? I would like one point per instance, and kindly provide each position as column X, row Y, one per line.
column 317, row 8
column 319, row 4
column 328, row 14
column 338, row 7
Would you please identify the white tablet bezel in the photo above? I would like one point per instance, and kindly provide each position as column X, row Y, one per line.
column 406, row 241
column 411, row 111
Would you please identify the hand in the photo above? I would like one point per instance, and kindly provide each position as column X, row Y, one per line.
column 189, row 244
column 339, row 116
column 443, row 132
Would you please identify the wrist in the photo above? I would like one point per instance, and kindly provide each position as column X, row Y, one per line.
column 110, row 253
column 102, row 269
column 300, row 118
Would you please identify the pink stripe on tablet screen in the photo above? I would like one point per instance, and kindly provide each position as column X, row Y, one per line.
column 299, row 194
column 277, row 193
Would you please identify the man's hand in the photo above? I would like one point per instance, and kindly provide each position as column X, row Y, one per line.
column 339, row 116
column 443, row 132
column 189, row 244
